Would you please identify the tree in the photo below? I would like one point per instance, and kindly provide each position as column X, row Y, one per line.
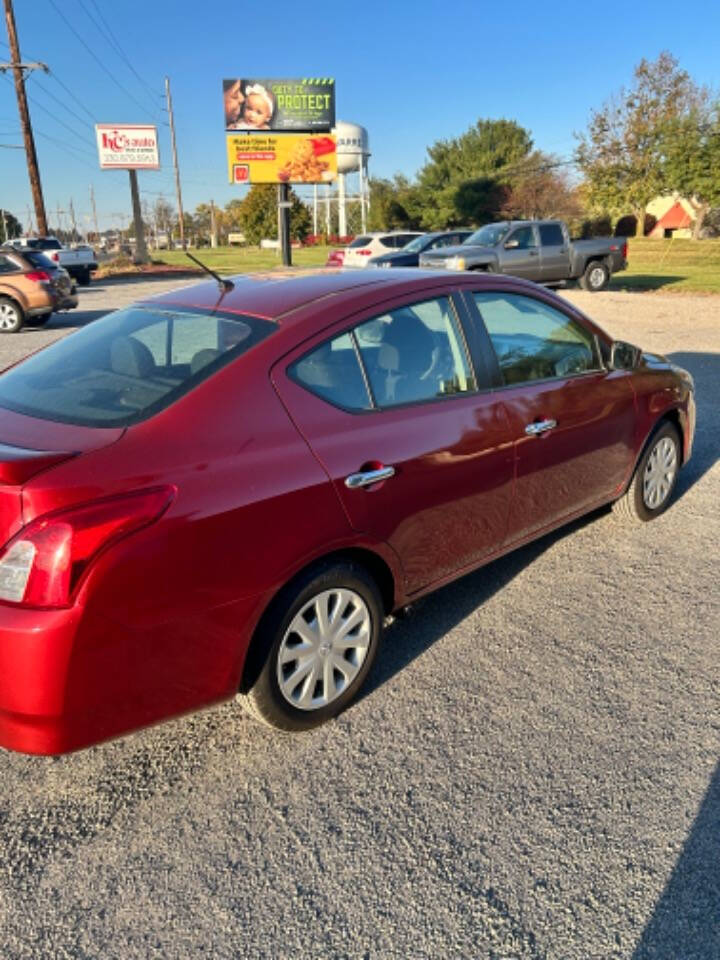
column 483, row 155
column 691, row 147
column 541, row 189
column 258, row 214
column 621, row 153
column 393, row 204
column 10, row 226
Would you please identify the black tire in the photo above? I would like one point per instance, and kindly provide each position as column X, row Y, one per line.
column 12, row 317
column 596, row 276
column 264, row 699
column 83, row 278
column 39, row 320
column 634, row 505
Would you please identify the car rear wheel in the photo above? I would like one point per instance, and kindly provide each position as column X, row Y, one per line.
column 596, row 277
column 315, row 648
column 654, row 479
column 11, row 316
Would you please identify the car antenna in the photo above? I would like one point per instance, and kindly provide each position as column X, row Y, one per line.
column 225, row 285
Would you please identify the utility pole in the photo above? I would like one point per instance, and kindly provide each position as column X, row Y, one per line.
column 178, row 192
column 76, row 235
column 17, row 67
column 59, row 216
column 141, row 254
column 94, row 210
column 30, row 229
column 213, row 225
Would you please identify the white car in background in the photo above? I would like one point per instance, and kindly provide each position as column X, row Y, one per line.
column 369, row 245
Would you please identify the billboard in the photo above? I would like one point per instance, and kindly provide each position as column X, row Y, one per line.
column 306, row 103
column 126, row 146
column 281, row 158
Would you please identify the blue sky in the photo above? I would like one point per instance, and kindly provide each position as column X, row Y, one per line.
column 411, row 71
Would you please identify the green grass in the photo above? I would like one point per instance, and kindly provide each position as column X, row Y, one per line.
column 672, row 266
column 229, row 260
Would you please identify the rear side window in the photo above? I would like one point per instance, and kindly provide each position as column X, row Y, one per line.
column 128, row 365
column 533, row 341
column 551, row 235
column 359, row 242
column 333, row 372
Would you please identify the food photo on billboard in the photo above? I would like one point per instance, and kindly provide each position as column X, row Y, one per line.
column 281, row 158
column 306, row 103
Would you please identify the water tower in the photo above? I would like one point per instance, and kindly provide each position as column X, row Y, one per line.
column 353, row 151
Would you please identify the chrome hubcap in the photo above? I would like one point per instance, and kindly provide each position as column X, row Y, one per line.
column 597, row 276
column 323, row 649
column 659, row 473
column 8, row 316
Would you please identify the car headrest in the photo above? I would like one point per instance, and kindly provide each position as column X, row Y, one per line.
column 131, row 358
column 388, row 357
column 202, row 358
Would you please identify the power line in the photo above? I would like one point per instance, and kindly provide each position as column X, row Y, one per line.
column 52, row 96
column 96, row 58
column 115, row 43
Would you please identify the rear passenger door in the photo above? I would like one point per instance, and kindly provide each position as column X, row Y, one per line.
column 418, row 455
column 554, row 253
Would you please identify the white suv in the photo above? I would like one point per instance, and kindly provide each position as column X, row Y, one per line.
column 369, row 245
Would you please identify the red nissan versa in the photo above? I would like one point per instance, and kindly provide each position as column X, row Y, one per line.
column 212, row 493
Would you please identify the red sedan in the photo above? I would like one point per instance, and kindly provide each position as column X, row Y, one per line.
column 221, row 492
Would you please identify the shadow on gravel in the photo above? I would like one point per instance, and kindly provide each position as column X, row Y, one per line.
column 686, row 920
column 705, row 368
column 406, row 639
column 641, row 282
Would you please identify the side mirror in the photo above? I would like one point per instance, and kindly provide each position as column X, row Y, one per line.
column 512, row 244
column 624, row 356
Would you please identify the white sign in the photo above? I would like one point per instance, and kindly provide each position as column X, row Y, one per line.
column 126, row 146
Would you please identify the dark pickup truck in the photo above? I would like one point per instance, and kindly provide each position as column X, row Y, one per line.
column 539, row 250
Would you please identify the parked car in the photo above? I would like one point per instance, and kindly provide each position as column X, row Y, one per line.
column 359, row 252
column 335, row 258
column 31, row 288
column 79, row 262
column 539, row 250
column 210, row 493
column 409, row 255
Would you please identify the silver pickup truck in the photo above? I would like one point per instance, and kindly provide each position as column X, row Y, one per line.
column 539, row 250
column 79, row 261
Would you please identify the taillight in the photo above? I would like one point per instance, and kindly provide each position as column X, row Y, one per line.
column 38, row 276
column 625, row 250
column 55, row 256
column 42, row 565
column 364, row 253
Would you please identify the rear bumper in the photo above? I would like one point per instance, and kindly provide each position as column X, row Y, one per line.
column 69, row 679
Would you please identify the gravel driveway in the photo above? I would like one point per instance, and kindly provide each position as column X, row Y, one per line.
column 532, row 772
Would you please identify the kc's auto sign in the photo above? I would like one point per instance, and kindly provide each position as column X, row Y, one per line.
column 124, row 146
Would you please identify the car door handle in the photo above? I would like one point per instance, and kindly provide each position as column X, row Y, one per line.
column 366, row 477
column 540, row 426
column 532, row 253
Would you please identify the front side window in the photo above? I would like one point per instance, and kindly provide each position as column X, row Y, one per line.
column 533, row 341
column 414, row 353
column 128, row 365
column 522, row 239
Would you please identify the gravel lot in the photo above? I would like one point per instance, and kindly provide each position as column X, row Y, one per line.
column 532, row 773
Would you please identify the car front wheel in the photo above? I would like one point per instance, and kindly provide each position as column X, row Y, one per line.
column 654, row 479
column 315, row 648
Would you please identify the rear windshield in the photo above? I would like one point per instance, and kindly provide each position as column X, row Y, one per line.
column 128, row 365
column 359, row 242
column 40, row 260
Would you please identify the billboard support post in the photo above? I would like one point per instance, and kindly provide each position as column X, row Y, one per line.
column 141, row 254
column 284, row 223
